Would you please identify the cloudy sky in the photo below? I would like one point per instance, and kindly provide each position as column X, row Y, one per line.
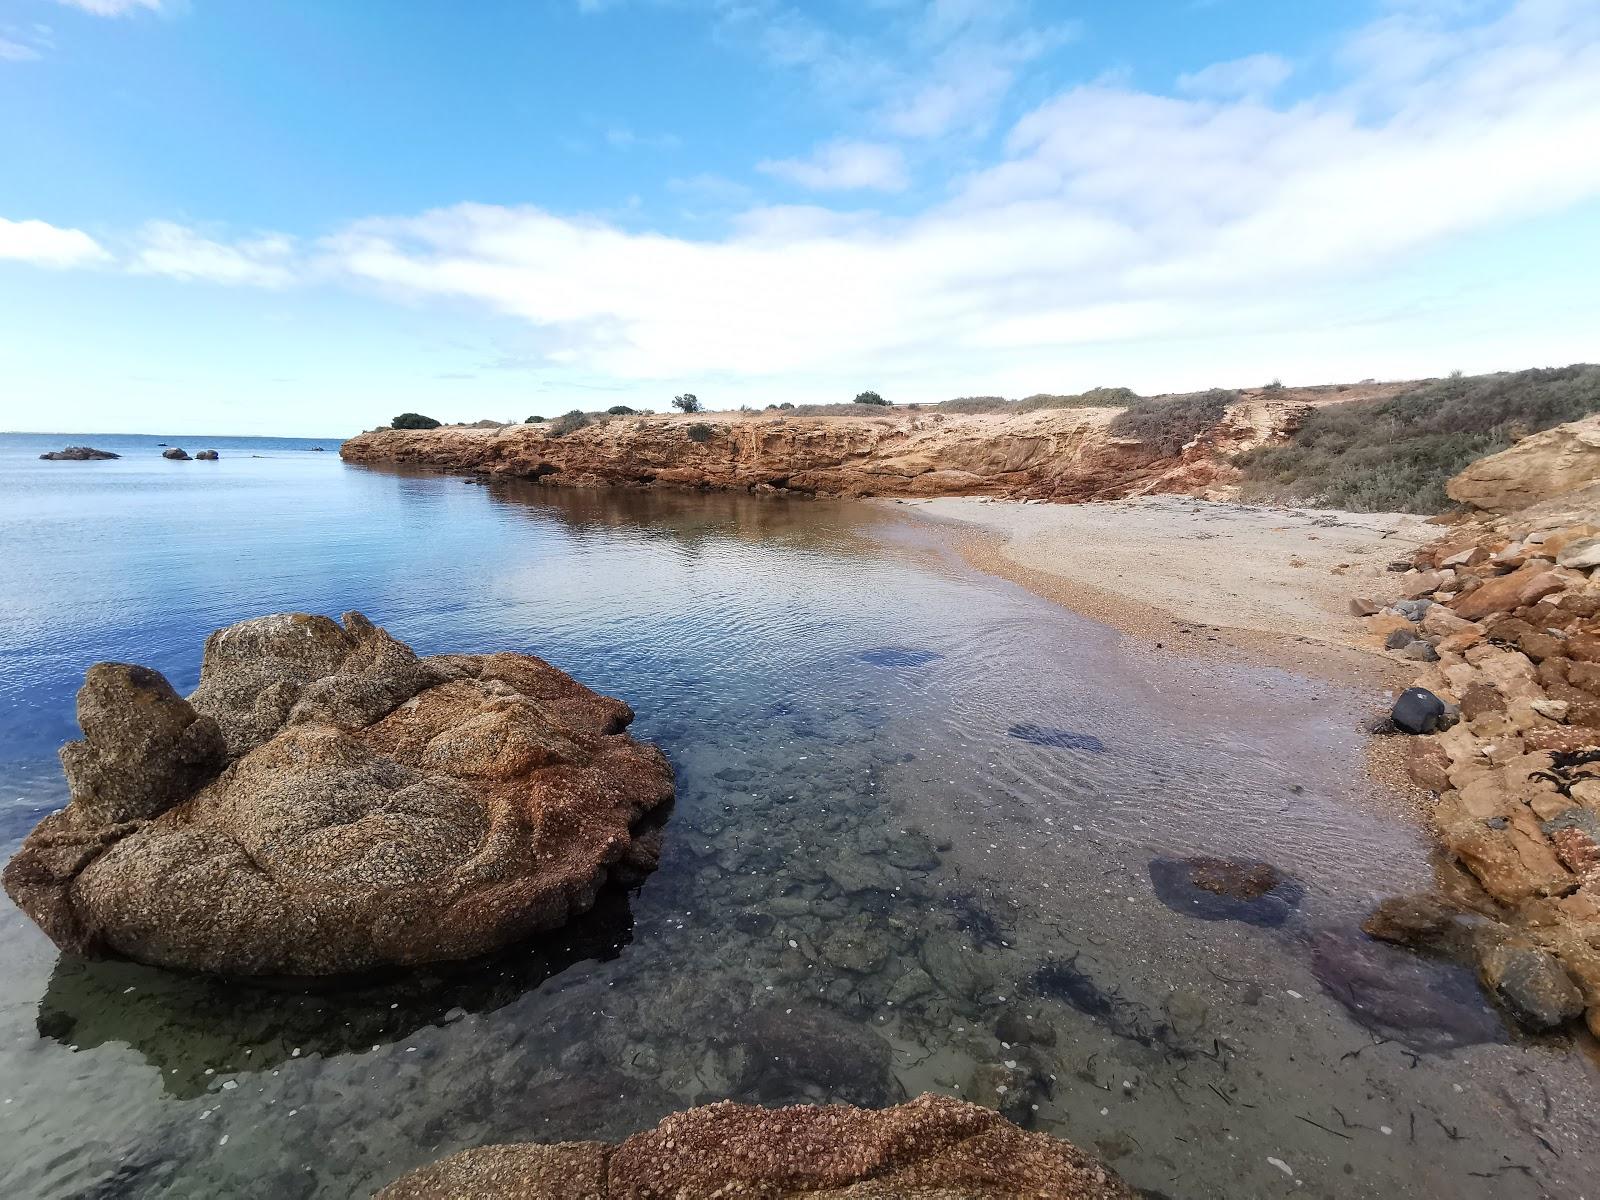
column 302, row 217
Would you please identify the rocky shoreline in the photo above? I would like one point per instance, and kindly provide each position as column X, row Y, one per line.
column 1503, row 610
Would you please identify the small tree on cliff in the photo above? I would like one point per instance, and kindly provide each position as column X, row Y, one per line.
column 688, row 402
column 409, row 420
column 870, row 398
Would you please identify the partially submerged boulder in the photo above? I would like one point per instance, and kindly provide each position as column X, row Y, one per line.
column 932, row 1147
column 327, row 802
column 176, row 453
column 78, row 454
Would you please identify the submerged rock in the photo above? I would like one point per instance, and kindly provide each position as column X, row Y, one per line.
column 1224, row 889
column 930, row 1147
column 326, row 802
column 78, row 454
column 786, row 1053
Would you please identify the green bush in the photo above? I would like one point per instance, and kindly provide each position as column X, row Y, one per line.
column 869, row 398
column 1168, row 425
column 1396, row 455
column 699, row 432
column 569, row 422
column 534, row 420
column 621, row 410
column 688, row 403
column 1101, row 397
column 410, row 420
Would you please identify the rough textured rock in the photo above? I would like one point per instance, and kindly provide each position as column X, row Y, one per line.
column 326, row 802
column 932, row 1147
column 1057, row 454
column 176, row 453
column 1537, row 468
column 1530, row 983
column 78, row 454
column 207, row 456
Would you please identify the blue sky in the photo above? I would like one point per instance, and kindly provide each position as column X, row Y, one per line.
column 304, row 217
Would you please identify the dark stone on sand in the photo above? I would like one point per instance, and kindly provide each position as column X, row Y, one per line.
column 1221, row 889
column 1056, row 739
column 1425, row 1003
column 1530, row 983
column 176, row 454
column 327, row 803
column 1399, row 639
column 78, row 454
column 899, row 656
column 1419, row 711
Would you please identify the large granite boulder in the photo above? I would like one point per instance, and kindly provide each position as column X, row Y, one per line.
column 78, row 454
column 930, row 1147
column 327, row 802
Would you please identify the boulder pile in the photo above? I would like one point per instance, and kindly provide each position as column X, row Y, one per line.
column 78, row 454
column 327, row 802
column 1503, row 616
column 932, row 1147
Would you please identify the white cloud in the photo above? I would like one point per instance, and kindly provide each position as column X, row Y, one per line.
column 114, row 8
column 48, row 245
column 16, row 52
column 1210, row 227
column 1113, row 215
column 173, row 250
column 843, row 166
column 1257, row 75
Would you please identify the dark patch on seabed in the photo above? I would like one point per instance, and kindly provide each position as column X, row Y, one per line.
column 899, row 656
column 1056, row 739
column 1213, row 889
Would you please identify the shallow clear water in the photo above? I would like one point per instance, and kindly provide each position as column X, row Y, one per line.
column 917, row 810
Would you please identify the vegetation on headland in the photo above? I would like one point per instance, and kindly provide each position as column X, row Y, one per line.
column 1100, row 397
column 411, row 420
column 1167, row 425
column 687, row 403
column 1396, row 455
column 870, row 398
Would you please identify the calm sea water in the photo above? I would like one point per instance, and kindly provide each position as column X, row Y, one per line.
column 912, row 850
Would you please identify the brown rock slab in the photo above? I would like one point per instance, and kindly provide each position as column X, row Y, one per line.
column 326, row 802
column 1537, row 468
column 931, row 1147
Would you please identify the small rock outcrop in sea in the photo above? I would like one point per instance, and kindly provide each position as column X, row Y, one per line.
column 176, row 454
column 207, row 456
column 327, row 802
column 78, row 454
column 932, row 1147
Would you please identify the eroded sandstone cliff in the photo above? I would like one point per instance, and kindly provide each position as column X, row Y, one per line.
column 1053, row 454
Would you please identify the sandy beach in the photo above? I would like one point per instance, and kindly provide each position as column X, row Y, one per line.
column 1199, row 576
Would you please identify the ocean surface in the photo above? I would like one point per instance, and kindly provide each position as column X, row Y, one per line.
column 925, row 840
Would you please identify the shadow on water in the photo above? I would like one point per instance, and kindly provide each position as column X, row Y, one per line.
column 192, row 1027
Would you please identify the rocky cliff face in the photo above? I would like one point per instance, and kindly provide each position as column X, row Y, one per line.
column 1054, row 454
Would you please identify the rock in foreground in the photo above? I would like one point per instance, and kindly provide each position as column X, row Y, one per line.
column 327, row 802
column 78, row 454
column 931, row 1147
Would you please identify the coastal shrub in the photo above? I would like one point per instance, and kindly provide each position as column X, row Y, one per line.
column 1100, row 397
column 699, row 432
column 536, row 419
column 411, row 420
column 688, row 402
column 621, row 410
column 1395, row 455
column 786, row 404
column 569, row 422
column 869, row 398
column 1275, row 386
column 1168, row 424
